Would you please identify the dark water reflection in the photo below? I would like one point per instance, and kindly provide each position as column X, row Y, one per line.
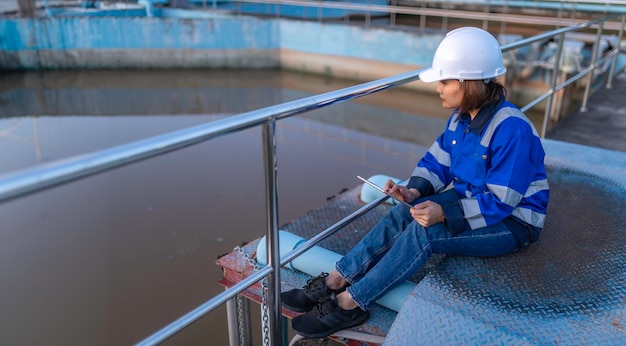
column 112, row 258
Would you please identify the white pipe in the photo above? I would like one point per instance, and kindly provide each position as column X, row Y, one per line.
column 317, row 260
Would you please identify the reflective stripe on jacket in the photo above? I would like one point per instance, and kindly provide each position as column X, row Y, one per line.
column 498, row 168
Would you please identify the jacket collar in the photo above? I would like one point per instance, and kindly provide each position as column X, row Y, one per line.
column 482, row 118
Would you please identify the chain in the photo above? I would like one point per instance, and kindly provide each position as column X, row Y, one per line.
column 247, row 257
column 240, row 321
column 266, row 322
column 264, row 292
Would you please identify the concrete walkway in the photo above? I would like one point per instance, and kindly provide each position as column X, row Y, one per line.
column 603, row 125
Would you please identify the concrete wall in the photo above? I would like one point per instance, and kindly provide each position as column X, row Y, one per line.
column 136, row 42
column 352, row 51
column 185, row 40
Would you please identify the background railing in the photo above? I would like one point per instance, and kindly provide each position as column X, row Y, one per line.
column 563, row 13
column 25, row 182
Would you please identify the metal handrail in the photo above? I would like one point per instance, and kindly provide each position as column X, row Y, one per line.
column 433, row 12
column 28, row 181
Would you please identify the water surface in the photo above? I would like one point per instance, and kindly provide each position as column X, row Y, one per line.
column 112, row 258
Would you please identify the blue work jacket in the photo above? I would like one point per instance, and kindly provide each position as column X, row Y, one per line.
column 495, row 162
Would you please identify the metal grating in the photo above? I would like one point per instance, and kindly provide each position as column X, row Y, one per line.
column 568, row 288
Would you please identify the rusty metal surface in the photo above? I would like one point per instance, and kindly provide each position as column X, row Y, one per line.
column 236, row 268
column 568, row 288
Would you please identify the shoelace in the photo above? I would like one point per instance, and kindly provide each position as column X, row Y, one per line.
column 316, row 284
column 325, row 307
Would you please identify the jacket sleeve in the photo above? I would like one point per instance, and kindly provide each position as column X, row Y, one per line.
column 432, row 173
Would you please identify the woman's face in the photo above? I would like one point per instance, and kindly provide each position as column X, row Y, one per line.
column 450, row 93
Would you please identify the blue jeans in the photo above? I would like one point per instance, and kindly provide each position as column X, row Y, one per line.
column 398, row 246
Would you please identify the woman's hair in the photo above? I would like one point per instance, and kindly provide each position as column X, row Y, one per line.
column 478, row 94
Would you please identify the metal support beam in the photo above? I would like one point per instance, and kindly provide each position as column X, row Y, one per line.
column 609, row 83
column 594, row 57
column 555, row 72
column 271, row 192
column 26, row 8
column 231, row 319
column 238, row 318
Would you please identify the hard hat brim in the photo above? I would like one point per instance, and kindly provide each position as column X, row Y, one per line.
column 429, row 75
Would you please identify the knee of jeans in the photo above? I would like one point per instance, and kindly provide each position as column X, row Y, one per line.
column 421, row 237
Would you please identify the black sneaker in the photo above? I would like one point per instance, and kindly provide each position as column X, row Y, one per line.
column 326, row 318
column 305, row 299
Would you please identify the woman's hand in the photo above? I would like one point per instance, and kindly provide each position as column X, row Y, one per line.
column 401, row 192
column 427, row 213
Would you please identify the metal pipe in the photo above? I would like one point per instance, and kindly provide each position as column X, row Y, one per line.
column 244, row 321
column 274, row 305
column 231, row 319
column 238, row 319
column 302, row 248
column 564, row 84
column 609, row 83
column 555, row 73
column 486, row 20
column 549, row 34
column 443, row 13
column 594, row 56
column 423, row 19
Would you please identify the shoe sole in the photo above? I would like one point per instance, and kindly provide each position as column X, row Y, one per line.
column 358, row 322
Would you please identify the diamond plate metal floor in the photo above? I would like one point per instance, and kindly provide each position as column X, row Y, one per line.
column 568, row 289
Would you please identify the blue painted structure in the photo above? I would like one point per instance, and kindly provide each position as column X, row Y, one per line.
column 297, row 11
column 180, row 38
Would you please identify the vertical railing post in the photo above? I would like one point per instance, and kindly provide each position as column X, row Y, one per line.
column 555, row 72
column 444, row 19
column 594, row 57
column 238, row 316
column 320, row 15
column 423, row 19
column 273, row 254
column 609, row 83
column 231, row 318
column 393, row 14
column 503, row 23
column 486, row 21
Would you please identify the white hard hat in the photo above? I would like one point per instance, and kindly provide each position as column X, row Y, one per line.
column 466, row 54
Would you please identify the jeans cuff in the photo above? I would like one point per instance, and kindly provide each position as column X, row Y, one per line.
column 343, row 275
column 355, row 299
